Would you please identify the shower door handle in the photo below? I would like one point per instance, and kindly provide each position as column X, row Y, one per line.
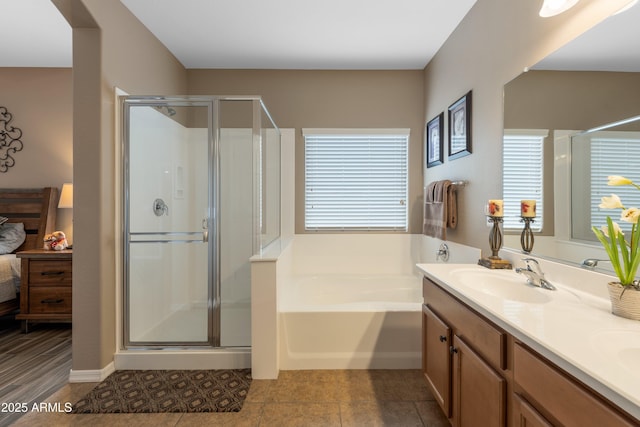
column 205, row 227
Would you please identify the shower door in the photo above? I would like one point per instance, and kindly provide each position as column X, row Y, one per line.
column 170, row 236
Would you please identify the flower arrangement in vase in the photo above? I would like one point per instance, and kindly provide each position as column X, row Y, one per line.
column 623, row 253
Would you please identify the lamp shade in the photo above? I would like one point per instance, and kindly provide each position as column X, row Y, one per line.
column 556, row 7
column 66, row 196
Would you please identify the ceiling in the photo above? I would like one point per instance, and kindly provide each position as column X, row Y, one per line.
column 274, row 34
column 301, row 34
column 34, row 34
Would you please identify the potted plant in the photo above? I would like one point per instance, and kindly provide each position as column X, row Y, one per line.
column 623, row 252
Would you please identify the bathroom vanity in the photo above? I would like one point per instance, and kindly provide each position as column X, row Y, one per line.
column 491, row 353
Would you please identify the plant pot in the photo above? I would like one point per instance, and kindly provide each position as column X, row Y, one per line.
column 624, row 305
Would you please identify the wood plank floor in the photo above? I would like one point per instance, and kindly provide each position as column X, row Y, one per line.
column 33, row 365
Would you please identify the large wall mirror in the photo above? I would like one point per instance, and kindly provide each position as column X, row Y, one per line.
column 592, row 81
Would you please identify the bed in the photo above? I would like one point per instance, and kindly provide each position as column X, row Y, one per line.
column 35, row 208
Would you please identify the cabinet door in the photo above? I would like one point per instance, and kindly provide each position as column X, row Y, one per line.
column 479, row 397
column 562, row 398
column 436, row 358
column 526, row 415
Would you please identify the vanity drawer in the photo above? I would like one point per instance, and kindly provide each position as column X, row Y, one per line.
column 50, row 273
column 560, row 397
column 50, row 300
column 485, row 338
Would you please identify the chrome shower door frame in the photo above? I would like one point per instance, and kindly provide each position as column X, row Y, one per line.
column 209, row 234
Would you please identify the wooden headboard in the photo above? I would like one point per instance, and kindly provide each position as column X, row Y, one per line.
column 35, row 208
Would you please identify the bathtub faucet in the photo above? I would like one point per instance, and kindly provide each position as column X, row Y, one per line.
column 591, row 263
column 534, row 274
column 443, row 252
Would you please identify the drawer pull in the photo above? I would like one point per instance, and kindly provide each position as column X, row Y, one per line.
column 443, row 338
column 52, row 301
column 52, row 273
column 453, row 350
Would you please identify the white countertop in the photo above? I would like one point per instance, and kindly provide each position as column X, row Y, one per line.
column 571, row 327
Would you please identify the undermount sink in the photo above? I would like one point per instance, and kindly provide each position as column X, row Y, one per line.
column 504, row 284
column 619, row 345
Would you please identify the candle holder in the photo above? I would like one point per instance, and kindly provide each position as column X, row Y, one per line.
column 526, row 238
column 495, row 242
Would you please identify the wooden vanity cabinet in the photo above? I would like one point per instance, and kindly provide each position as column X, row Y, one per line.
column 483, row 377
column 436, row 363
column 462, row 357
column 562, row 400
column 526, row 415
column 480, row 393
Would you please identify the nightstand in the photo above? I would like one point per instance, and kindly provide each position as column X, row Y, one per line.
column 45, row 286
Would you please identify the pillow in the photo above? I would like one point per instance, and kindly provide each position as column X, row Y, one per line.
column 11, row 237
column 3, row 219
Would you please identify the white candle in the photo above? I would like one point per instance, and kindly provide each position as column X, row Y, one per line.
column 528, row 208
column 495, row 208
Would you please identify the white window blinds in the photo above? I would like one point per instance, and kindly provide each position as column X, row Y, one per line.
column 522, row 177
column 356, row 179
column 614, row 155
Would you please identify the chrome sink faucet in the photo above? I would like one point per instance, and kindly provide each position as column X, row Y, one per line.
column 534, row 274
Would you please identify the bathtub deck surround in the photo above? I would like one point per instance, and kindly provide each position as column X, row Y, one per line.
column 571, row 327
column 356, row 292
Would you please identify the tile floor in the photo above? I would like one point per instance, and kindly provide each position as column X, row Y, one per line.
column 297, row 398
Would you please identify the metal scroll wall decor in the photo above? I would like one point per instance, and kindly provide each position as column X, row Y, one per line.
column 10, row 142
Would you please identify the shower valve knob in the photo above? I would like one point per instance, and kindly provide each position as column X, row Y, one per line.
column 160, row 207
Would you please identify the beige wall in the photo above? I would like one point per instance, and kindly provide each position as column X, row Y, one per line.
column 493, row 44
column 111, row 49
column 332, row 99
column 40, row 101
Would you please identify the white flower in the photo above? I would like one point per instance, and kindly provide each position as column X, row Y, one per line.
column 616, row 229
column 618, row 180
column 630, row 215
column 624, row 254
column 612, row 202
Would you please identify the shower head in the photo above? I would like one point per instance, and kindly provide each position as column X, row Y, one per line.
column 166, row 110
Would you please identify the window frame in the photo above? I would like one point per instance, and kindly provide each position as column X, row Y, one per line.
column 617, row 148
column 513, row 197
column 392, row 163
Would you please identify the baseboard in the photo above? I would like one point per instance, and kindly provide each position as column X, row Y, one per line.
column 91, row 375
column 236, row 358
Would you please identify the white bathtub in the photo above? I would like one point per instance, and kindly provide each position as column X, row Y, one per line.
column 350, row 322
column 351, row 293
column 341, row 301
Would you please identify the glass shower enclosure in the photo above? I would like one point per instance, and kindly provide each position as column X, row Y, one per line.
column 201, row 190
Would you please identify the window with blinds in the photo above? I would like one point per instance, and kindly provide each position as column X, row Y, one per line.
column 614, row 155
column 522, row 178
column 356, row 179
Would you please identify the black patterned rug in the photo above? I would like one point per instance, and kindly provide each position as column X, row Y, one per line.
column 168, row 391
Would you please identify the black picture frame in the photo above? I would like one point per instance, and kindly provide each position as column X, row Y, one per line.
column 434, row 141
column 460, row 127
